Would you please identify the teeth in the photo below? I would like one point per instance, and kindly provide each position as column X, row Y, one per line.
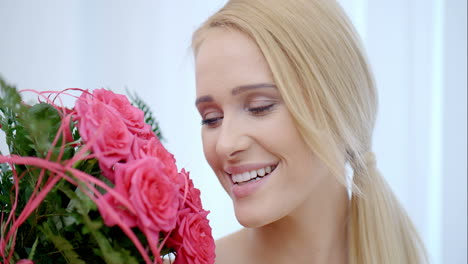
column 248, row 175
column 261, row 172
column 245, row 176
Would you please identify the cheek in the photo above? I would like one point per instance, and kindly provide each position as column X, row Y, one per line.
column 209, row 140
column 209, row 148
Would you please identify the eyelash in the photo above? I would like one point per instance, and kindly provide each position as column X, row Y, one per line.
column 260, row 109
column 210, row 121
column 257, row 111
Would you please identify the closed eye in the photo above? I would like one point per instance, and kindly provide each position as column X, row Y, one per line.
column 211, row 122
column 256, row 111
column 261, row 110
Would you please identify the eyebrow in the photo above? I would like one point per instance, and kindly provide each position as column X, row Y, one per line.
column 237, row 90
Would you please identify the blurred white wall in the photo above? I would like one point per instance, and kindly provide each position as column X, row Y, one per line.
column 417, row 49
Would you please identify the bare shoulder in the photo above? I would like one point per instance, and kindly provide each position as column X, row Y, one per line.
column 230, row 249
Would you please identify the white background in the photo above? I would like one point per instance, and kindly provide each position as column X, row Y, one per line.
column 417, row 48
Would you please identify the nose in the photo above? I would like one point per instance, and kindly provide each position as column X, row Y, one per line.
column 232, row 138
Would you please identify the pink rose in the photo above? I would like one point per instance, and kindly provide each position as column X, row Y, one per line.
column 123, row 212
column 193, row 200
column 194, row 242
column 149, row 189
column 112, row 140
column 153, row 148
column 132, row 116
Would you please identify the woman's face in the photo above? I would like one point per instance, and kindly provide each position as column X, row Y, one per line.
column 249, row 138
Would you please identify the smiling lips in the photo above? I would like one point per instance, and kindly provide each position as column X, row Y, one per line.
column 251, row 175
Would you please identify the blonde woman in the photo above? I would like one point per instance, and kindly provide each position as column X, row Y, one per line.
column 287, row 101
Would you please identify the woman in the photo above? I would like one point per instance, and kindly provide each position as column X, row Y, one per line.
column 288, row 101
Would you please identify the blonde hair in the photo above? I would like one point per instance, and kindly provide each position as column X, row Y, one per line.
column 321, row 71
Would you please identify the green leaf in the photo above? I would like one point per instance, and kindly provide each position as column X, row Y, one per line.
column 83, row 204
column 6, row 183
column 62, row 245
column 9, row 94
column 33, row 249
column 111, row 255
column 11, row 108
column 30, row 130
column 41, row 124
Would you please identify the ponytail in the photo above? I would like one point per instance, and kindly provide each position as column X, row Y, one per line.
column 380, row 230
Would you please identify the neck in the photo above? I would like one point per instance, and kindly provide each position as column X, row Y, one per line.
column 316, row 232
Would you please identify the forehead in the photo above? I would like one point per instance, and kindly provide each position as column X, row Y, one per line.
column 229, row 58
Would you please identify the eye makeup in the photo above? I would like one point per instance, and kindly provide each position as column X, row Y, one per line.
column 257, row 100
column 261, row 110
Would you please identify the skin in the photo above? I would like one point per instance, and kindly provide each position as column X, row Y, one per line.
column 299, row 213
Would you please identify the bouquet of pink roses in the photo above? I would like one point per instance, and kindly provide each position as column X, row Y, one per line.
column 94, row 184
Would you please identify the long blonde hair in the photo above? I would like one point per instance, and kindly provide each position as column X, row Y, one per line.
column 321, row 71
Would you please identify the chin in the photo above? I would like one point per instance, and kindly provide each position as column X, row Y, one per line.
column 252, row 216
column 250, row 222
